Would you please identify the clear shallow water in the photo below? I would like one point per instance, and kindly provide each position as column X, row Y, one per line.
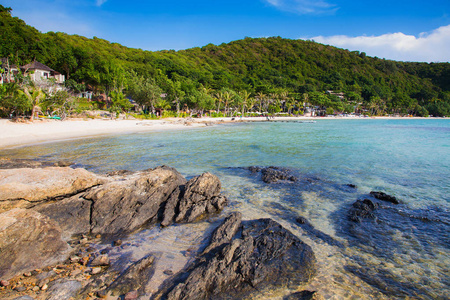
column 406, row 253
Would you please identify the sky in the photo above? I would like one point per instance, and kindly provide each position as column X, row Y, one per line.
column 404, row 30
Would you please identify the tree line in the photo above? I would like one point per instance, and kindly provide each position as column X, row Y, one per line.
column 273, row 75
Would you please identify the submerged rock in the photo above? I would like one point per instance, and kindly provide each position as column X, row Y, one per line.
column 273, row 174
column 362, row 210
column 261, row 255
column 15, row 163
column 384, row 197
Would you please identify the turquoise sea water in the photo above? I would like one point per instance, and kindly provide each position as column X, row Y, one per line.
column 405, row 252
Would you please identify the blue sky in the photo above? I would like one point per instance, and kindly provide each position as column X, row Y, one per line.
column 407, row 30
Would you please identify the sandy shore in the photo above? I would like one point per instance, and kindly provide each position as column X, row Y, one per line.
column 20, row 134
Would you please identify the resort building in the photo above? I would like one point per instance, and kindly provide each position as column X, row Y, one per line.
column 38, row 71
column 35, row 70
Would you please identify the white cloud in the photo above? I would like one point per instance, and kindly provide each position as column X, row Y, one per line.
column 304, row 6
column 100, row 2
column 427, row 47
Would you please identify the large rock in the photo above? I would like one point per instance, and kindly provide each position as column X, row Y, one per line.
column 36, row 185
column 28, row 240
column 201, row 197
column 262, row 255
column 134, row 278
column 125, row 205
column 72, row 214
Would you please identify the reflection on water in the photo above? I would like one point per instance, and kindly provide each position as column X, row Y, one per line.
column 404, row 252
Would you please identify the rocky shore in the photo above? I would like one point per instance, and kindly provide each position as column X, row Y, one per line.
column 51, row 215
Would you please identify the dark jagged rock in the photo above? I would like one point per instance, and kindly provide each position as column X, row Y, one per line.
column 273, row 174
column 225, row 232
column 72, row 214
column 254, row 169
column 124, row 206
column 201, row 196
column 28, row 241
column 134, row 278
column 262, row 255
column 384, row 197
column 362, row 210
column 171, row 208
column 353, row 186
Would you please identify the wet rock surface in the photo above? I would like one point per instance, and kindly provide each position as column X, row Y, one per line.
column 273, row 174
column 261, row 255
column 384, row 197
column 362, row 209
column 8, row 163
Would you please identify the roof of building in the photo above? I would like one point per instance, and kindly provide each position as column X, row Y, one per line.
column 37, row 65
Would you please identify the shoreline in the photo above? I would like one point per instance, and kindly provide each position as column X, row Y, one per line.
column 15, row 135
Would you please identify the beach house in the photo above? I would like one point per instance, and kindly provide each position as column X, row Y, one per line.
column 38, row 71
column 35, row 70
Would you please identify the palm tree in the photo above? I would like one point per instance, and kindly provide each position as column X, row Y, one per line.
column 245, row 97
column 227, row 97
column 219, row 97
column 34, row 96
column 261, row 97
column 250, row 103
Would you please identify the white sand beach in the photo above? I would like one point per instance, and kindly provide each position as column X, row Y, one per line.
column 19, row 134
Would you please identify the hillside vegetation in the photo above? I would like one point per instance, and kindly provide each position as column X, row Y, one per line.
column 272, row 74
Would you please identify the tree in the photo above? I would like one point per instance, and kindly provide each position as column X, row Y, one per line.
column 34, row 96
column 112, row 78
column 119, row 103
column 245, row 96
column 145, row 92
column 13, row 100
column 261, row 99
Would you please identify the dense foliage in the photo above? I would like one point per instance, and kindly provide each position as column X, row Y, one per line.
column 286, row 74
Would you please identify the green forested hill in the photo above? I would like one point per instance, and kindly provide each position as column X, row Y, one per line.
column 302, row 69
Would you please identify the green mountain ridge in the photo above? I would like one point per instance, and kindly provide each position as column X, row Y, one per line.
column 257, row 65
